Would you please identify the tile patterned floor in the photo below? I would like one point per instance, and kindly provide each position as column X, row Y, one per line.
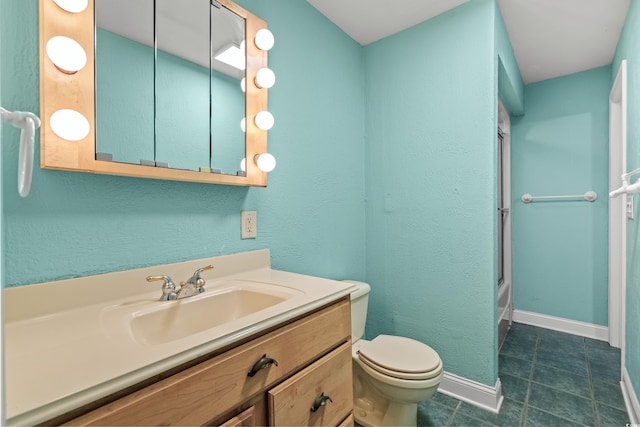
column 548, row 379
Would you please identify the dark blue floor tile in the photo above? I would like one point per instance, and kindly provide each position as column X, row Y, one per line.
column 514, row 388
column 562, row 404
column 590, row 342
column 445, row 400
column 514, row 366
column 609, row 372
column 611, row 416
column 537, row 418
column 433, row 414
column 462, row 420
column 574, row 363
column 604, row 355
column 608, row 393
column 510, row 413
column 557, row 345
column 522, row 329
column 523, row 349
column 562, row 380
column 557, row 336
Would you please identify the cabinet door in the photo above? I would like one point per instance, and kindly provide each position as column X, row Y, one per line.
column 290, row 403
column 245, row 419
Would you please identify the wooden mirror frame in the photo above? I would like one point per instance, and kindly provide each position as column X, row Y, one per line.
column 59, row 90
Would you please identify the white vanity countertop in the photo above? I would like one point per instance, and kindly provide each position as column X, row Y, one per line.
column 69, row 342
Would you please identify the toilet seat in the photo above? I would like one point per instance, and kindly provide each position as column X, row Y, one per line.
column 401, row 358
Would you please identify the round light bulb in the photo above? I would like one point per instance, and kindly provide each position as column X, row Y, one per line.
column 69, row 125
column 243, row 84
column 66, row 54
column 73, row 6
column 266, row 162
column 265, row 78
column 243, row 124
column 264, row 120
column 243, row 164
column 264, row 39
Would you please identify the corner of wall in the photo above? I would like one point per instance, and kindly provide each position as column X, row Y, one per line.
column 510, row 83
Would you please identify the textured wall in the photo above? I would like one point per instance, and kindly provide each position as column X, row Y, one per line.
column 629, row 49
column 311, row 216
column 431, row 188
column 561, row 146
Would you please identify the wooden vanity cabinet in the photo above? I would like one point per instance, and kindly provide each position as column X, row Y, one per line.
column 313, row 355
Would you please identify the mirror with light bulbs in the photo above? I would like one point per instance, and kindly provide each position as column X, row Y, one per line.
column 73, row 115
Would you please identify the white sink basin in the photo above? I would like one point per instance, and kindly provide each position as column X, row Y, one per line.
column 172, row 320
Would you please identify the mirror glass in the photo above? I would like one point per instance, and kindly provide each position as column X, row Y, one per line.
column 125, row 62
column 179, row 105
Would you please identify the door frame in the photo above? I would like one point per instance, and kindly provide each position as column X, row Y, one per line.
column 504, row 124
column 617, row 209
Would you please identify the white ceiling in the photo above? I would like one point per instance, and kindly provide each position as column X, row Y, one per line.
column 550, row 38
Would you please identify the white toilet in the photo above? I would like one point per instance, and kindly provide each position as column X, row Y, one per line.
column 390, row 374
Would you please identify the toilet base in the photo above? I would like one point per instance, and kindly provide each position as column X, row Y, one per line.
column 396, row 414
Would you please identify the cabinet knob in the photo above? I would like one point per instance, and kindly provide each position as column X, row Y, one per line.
column 320, row 401
column 261, row 364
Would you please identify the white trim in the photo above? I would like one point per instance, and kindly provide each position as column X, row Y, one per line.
column 617, row 253
column 474, row 393
column 630, row 398
column 504, row 124
column 574, row 327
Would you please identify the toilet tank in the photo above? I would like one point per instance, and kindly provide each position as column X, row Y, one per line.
column 359, row 303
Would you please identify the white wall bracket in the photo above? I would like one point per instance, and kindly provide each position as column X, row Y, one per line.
column 28, row 123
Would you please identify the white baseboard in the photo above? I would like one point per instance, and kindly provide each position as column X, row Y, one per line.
column 630, row 398
column 574, row 327
column 474, row 393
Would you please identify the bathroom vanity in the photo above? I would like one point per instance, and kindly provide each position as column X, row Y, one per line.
column 106, row 362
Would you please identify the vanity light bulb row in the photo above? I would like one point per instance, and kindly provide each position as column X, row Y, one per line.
column 265, row 79
column 69, row 57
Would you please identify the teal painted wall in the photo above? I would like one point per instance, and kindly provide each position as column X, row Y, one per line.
column 311, row 216
column 629, row 49
column 561, row 146
column 431, row 187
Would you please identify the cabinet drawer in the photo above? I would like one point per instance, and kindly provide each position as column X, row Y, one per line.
column 245, row 419
column 290, row 402
column 201, row 393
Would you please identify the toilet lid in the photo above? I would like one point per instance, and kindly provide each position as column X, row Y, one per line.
column 401, row 357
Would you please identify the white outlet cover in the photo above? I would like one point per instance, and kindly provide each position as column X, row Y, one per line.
column 248, row 225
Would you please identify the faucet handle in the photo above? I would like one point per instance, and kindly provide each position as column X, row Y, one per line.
column 200, row 270
column 168, row 287
column 196, row 280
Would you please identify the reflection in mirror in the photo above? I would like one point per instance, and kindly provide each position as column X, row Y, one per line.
column 199, row 61
column 227, row 97
column 183, row 83
column 124, row 80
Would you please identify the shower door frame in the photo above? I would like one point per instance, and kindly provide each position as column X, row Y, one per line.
column 505, row 215
column 617, row 210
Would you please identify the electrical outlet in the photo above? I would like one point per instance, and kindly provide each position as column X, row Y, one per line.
column 248, row 225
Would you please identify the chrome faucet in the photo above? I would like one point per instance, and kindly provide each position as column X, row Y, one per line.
column 168, row 287
column 193, row 286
